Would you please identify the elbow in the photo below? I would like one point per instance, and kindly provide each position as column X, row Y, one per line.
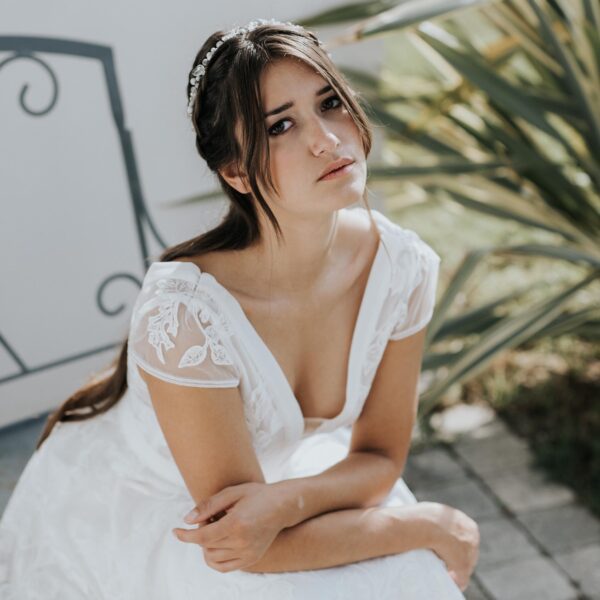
column 399, row 466
column 389, row 476
column 395, row 464
column 257, row 567
column 250, row 569
column 396, row 468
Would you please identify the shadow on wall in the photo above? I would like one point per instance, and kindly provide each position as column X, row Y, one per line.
column 32, row 50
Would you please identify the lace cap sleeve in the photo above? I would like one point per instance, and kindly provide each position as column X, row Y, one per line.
column 178, row 334
column 416, row 307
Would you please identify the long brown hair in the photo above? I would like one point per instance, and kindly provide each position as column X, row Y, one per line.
column 228, row 97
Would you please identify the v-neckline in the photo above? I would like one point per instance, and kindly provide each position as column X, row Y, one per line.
column 273, row 366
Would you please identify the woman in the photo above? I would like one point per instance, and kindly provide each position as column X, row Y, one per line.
column 252, row 350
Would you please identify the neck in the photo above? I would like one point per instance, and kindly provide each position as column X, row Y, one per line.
column 297, row 261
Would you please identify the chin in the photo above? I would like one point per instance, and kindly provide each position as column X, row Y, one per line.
column 347, row 198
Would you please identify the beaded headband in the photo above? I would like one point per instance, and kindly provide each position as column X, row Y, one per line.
column 200, row 69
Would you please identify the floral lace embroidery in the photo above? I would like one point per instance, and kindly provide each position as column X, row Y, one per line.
column 165, row 319
column 372, row 359
column 259, row 415
column 165, row 322
column 394, row 312
column 174, row 286
column 400, row 286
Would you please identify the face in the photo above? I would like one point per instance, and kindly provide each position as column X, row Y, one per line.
column 308, row 129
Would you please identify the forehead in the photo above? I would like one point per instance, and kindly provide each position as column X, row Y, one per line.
column 287, row 76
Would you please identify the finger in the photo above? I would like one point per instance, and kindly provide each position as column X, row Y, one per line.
column 185, row 535
column 212, row 519
column 214, row 504
column 192, row 536
column 201, row 522
column 215, row 533
column 228, row 565
column 212, row 534
column 221, row 554
column 193, row 517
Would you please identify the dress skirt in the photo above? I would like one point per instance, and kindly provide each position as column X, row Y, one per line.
column 89, row 520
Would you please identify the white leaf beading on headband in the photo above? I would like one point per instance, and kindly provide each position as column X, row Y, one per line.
column 200, row 70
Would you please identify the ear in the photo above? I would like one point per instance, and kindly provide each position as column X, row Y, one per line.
column 233, row 176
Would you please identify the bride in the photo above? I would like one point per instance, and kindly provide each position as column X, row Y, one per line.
column 268, row 381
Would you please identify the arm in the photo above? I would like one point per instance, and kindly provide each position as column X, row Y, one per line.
column 347, row 536
column 379, row 445
column 201, row 413
column 206, row 432
column 350, row 535
column 352, row 488
column 384, row 430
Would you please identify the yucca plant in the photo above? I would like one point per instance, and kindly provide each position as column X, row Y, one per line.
column 505, row 120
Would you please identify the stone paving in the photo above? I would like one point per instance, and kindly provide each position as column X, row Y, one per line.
column 537, row 542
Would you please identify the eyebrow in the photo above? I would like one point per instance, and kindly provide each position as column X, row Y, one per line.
column 290, row 104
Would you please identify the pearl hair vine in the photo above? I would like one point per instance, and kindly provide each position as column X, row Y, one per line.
column 200, row 70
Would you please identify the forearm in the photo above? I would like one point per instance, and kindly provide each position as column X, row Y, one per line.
column 347, row 536
column 361, row 480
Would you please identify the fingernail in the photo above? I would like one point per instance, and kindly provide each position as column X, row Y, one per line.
column 174, row 531
column 191, row 516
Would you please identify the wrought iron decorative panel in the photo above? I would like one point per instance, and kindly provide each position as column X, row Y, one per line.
column 36, row 49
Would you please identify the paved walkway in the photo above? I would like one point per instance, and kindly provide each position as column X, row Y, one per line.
column 537, row 542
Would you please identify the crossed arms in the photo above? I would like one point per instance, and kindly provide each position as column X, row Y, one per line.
column 304, row 523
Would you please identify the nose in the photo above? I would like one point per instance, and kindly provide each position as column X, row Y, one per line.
column 321, row 137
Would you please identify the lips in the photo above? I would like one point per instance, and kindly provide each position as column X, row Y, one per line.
column 336, row 165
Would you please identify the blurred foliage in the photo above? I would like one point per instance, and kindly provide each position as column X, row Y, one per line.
column 494, row 107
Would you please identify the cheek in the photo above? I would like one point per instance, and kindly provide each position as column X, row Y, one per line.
column 353, row 131
column 285, row 164
column 287, row 169
column 348, row 132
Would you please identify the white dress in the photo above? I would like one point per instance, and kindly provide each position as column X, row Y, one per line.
column 92, row 513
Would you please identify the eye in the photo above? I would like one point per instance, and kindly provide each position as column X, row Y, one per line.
column 334, row 97
column 275, row 130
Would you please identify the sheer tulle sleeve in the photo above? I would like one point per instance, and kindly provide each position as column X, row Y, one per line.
column 416, row 309
column 179, row 335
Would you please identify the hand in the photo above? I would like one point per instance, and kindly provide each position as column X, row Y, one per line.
column 235, row 526
column 457, row 541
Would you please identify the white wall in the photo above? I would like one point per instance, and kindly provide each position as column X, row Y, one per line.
column 66, row 216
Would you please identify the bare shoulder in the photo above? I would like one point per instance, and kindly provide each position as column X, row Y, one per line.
column 224, row 265
column 358, row 241
column 203, row 261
